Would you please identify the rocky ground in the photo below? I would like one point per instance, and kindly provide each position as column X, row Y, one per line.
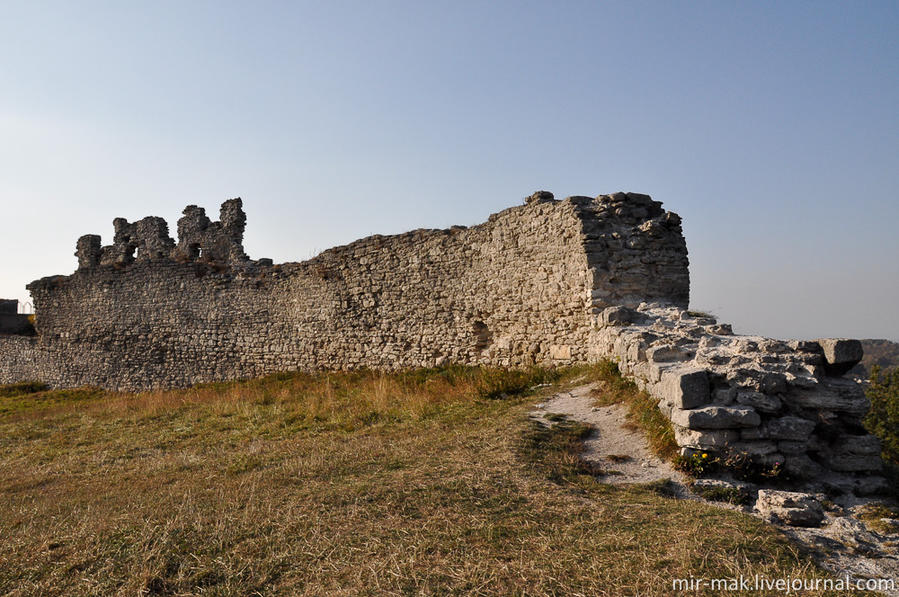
column 846, row 534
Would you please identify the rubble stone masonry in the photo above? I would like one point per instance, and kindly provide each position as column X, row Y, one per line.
column 548, row 282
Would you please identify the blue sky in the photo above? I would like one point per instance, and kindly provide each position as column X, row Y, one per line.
column 771, row 127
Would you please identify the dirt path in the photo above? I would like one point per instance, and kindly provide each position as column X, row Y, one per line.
column 615, row 446
column 842, row 544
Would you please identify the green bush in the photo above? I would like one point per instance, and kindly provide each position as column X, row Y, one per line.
column 739, row 464
column 22, row 388
column 883, row 418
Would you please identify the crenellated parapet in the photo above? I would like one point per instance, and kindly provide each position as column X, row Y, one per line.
column 199, row 239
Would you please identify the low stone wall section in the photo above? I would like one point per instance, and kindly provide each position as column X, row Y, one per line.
column 778, row 401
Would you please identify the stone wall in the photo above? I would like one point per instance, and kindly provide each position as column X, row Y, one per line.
column 548, row 282
column 780, row 402
column 521, row 288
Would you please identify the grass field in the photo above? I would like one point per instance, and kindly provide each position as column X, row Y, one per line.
column 429, row 482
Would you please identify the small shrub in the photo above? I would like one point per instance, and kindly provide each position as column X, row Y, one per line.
column 739, row 464
column 502, row 383
column 22, row 388
column 699, row 464
column 663, row 487
column 737, row 496
column 883, row 418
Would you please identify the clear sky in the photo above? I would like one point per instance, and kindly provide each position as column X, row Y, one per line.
column 771, row 127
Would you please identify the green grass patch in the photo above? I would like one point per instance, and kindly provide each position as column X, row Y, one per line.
column 731, row 495
column 21, row 389
column 642, row 409
column 873, row 514
column 29, row 397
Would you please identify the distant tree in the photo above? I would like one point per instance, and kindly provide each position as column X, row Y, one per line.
column 883, row 418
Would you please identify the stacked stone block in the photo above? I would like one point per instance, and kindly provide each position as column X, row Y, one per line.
column 777, row 401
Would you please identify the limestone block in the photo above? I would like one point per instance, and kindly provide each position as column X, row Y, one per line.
column 754, row 433
column 791, row 508
column 560, row 352
column 790, row 428
column 764, row 403
column 716, row 417
column 860, row 444
column 668, row 353
column 839, row 395
column 636, row 351
column 685, row 387
column 539, row 197
column 721, row 329
column 621, row 316
column 854, row 453
column 704, row 440
column 790, row 447
column 800, row 466
column 754, row 448
column 841, row 354
column 724, row 396
column 871, row 485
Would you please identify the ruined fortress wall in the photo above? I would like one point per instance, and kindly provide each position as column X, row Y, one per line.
column 522, row 288
column 548, row 282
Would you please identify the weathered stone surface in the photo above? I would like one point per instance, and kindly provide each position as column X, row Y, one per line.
column 855, row 453
column 790, row 428
column 686, row 388
column 760, row 380
column 841, row 354
column 88, row 251
column 801, row 467
column 791, row 508
column 199, row 238
column 763, row 403
column 716, row 417
column 754, row 447
column 620, row 315
column 871, row 485
column 704, row 440
column 668, row 353
column 838, row 395
column 539, row 197
column 792, row 447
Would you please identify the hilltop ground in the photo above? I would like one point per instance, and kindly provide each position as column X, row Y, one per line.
column 880, row 353
column 434, row 482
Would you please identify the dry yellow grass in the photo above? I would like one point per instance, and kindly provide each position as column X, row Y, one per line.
column 430, row 482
